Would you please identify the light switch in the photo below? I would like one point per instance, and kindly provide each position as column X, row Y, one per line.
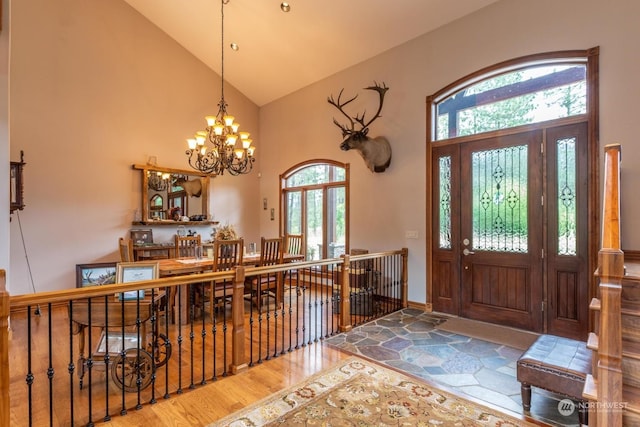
column 411, row 234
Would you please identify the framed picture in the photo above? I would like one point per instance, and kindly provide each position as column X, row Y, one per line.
column 101, row 273
column 135, row 272
column 142, row 237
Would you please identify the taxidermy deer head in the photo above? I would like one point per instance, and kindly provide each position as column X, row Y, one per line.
column 192, row 188
column 376, row 152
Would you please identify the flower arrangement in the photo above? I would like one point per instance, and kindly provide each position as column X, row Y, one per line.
column 225, row 232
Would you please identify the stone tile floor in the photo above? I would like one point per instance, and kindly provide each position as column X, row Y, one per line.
column 409, row 341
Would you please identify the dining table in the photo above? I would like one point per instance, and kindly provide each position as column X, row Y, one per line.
column 169, row 267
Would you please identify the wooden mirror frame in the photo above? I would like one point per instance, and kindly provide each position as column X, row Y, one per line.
column 145, row 194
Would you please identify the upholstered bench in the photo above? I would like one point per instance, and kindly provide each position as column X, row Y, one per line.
column 556, row 364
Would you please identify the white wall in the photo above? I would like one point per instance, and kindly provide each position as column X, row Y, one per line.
column 97, row 88
column 384, row 206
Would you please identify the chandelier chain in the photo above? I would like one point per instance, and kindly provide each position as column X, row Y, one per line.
column 222, row 48
column 229, row 150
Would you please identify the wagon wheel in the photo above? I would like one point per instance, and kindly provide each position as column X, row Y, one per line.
column 126, row 369
column 161, row 349
column 81, row 368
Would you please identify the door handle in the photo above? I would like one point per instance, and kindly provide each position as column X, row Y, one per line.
column 466, row 252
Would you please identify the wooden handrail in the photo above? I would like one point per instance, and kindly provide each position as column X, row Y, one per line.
column 611, row 271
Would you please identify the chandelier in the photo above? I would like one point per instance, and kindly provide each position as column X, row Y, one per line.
column 157, row 181
column 227, row 148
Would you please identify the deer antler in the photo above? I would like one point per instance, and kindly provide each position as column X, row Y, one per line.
column 339, row 106
column 381, row 89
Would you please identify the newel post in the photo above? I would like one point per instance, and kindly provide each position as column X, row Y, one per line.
column 345, row 295
column 405, row 278
column 238, row 360
column 4, row 351
column 611, row 266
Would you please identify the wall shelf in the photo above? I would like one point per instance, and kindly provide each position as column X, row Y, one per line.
column 173, row 223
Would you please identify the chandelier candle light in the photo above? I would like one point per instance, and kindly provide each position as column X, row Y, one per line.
column 157, row 181
column 230, row 149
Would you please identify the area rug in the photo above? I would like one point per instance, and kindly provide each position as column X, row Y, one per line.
column 361, row 393
column 504, row 335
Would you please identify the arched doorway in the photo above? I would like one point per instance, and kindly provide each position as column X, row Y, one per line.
column 513, row 201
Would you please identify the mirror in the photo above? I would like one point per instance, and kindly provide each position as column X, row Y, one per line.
column 170, row 194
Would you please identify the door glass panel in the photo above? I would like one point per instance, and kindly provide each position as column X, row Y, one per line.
column 445, row 201
column 499, row 205
column 567, row 215
column 314, row 230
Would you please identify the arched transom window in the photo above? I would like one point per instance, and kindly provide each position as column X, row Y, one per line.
column 528, row 95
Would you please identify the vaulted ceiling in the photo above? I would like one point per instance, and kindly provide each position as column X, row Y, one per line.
column 280, row 52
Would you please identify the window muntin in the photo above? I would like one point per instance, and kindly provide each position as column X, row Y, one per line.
column 524, row 96
column 315, row 174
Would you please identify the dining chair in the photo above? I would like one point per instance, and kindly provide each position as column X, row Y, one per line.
column 126, row 249
column 227, row 254
column 185, row 246
column 294, row 244
column 271, row 253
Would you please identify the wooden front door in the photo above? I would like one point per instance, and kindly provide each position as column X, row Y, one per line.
column 501, row 268
column 510, row 216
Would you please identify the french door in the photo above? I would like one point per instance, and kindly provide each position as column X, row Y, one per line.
column 510, row 229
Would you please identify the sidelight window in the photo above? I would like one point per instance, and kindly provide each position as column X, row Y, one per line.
column 445, row 201
column 566, row 185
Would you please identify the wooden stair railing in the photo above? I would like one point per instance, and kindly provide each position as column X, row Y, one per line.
column 397, row 277
column 604, row 387
column 4, row 352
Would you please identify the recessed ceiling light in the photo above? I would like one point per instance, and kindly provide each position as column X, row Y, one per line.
column 284, row 6
column 234, row 46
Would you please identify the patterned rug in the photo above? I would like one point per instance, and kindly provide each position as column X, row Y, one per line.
column 360, row 393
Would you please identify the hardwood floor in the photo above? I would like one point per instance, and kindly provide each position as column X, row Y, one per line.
column 227, row 395
column 190, row 402
column 199, row 405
